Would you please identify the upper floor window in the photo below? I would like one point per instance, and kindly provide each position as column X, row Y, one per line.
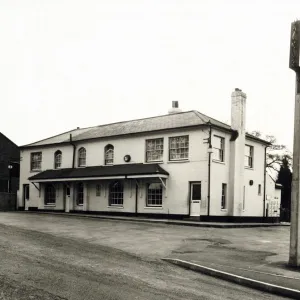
column 248, row 156
column 218, row 144
column 81, row 157
column 116, row 193
column 179, row 147
column 109, row 154
column 50, row 194
column 57, row 159
column 36, row 161
column 154, row 149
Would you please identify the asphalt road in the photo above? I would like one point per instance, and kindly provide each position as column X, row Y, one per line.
column 43, row 265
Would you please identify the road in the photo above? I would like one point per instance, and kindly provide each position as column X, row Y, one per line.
column 57, row 263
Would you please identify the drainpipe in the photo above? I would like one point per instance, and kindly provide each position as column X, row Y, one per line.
column 74, row 151
column 265, row 171
column 209, row 169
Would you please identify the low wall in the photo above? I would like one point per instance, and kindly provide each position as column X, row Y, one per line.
column 8, row 201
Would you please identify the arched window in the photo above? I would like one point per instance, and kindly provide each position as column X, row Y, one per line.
column 109, row 154
column 50, row 194
column 116, row 193
column 80, row 193
column 57, row 159
column 81, row 157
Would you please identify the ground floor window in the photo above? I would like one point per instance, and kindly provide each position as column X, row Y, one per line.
column 154, row 194
column 116, row 191
column 223, row 197
column 50, row 194
column 80, row 194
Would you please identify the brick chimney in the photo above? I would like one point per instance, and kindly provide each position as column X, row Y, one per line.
column 237, row 152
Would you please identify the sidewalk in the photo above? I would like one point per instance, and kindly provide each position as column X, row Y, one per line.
column 165, row 221
column 261, row 267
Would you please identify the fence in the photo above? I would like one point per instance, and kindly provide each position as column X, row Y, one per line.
column 8, row 201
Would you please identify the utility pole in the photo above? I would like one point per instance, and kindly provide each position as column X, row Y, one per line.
column 294, row 259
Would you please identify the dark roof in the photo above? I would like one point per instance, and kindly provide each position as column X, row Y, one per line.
column 101, row 171
column 164, row 122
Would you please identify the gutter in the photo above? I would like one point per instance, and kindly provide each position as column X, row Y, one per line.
column 74, row 151
column 209, row 171
column 265, row 173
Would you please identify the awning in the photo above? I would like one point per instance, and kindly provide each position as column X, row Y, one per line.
column 101, row 172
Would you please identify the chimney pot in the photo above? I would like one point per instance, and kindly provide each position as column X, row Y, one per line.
column 175, row 104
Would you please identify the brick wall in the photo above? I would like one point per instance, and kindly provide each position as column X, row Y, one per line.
column 8, row 202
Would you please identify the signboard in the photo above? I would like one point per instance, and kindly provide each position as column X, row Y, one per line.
column 294, row 46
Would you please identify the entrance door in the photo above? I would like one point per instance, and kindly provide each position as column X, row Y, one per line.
column 25, row 195
column 67, row 197
column 195, row 199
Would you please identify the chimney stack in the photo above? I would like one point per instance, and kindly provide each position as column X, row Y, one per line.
column 175, row 108
column 237, row 151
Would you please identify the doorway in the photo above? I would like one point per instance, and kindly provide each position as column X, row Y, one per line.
column 25, row 195
column 195, row 199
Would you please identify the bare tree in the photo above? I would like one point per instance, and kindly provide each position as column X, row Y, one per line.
column 277, row 154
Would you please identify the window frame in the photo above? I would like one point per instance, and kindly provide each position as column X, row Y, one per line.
column 112, row 200
column 178, row 148
column 109, row 148
column 250, row 157
column 153, row 201
column 39, row 162
column 224, row 196
column 56, row 155
column 149, row 152
column 79, row 194
column 53, row 195
column 81, row 157
column 221, row 150
column 98, row 190
column 259, row 190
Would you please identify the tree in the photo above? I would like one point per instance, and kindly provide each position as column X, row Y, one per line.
column 277, row 154
column 285, row 179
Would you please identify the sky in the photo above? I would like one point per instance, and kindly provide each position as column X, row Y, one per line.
column 70, row 63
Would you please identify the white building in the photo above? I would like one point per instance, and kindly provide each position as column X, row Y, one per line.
column 159, row 166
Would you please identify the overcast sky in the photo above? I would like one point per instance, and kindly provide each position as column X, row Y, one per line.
column 70, row 63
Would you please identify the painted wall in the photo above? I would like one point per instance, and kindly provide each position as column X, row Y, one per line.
column 176, row 198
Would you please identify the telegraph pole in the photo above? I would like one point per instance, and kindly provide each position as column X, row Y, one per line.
column 294, row 259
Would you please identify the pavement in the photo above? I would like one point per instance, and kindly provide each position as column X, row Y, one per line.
column 253, row 256
column 186, row 222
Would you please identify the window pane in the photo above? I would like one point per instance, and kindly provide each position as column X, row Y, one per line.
column 154, row 150
column 196, row 191
column 179, row 147
column 154, row 194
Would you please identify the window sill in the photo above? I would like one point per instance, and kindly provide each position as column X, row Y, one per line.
column 153, row 207
column 218, row 161
column 155, row 162
column 79, row 204
column 178, row 161
column 224, row 209
column 249, row 168
column 50, row 205
column 35, row 171
column 116, row 206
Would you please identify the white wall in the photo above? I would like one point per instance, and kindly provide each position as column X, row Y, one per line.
column 176, row 201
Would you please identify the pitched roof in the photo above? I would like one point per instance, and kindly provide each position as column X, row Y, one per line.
column 100, row 171
column 164, row 122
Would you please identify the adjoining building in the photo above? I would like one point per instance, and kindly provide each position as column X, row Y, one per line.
column 183, row 164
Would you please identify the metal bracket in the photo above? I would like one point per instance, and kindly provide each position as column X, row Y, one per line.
column 36, row 186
